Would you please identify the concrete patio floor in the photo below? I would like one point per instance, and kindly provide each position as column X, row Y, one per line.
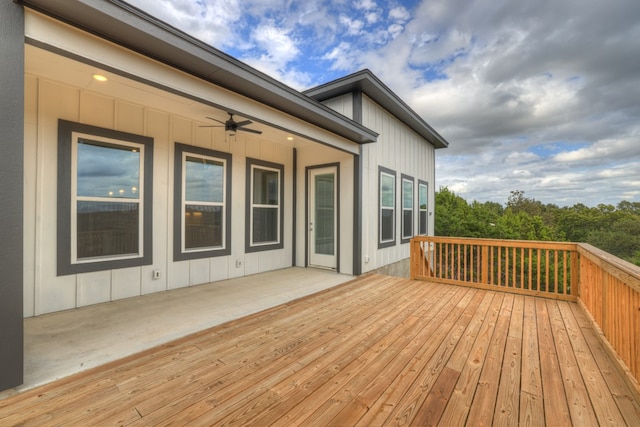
column 60, row 344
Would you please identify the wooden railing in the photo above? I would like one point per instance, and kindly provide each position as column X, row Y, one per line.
column 524, row 267
column 610, row 293
column 607, row 287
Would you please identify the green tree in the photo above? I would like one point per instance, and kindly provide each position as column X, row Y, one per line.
column 451, row 214
column 615, row 229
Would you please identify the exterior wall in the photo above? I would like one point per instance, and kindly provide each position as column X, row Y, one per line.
column 404, row 151
column 148, row 98
column 46, row 102
column 342, row 104
column 316, row 155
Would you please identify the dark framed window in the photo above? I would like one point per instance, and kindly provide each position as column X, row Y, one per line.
column 423, row 214
column 387, row 205
column 202, row 205
column 105, row 195
column 407, row 208
column 265, row 206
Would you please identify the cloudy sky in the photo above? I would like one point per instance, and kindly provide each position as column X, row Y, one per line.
column 541, row 96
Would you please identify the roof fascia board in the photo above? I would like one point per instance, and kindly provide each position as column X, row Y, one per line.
column 366, row 82
column 125, row 25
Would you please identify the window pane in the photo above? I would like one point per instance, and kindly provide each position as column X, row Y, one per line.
column 203, row 226
column 422, row 196
column 423, row 222
column 265, row 225
column 107, row 228
column 204, row 180
column 387, row 193
column 265, row 187
column 386, row 224
column 407, row 194
column 407, row 224
column 107, row 170
column 324, row 213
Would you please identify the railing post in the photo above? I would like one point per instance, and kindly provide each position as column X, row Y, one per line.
column 485, row 265
column 575, row 273
column 413, row 261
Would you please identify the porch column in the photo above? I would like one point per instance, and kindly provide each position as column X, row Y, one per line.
column 11, row 193
column 357, row 213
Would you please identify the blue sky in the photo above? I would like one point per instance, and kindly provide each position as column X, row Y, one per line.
column 534, row 95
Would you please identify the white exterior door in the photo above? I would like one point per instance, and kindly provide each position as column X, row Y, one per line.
column 323, row 218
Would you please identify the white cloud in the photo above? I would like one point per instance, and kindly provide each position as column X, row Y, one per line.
column 354, row 26
column 395, row 30
column 540, row 97
column 399, row 13
column 341, row 57
column 366, row 4
column 276, row 43
column 372, row 17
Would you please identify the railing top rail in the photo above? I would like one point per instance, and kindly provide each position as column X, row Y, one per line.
column 500, row 242
column 623, row 270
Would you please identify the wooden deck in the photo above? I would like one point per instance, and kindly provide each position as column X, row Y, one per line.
column 375, row 351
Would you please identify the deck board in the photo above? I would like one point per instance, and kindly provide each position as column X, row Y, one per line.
column 375, row 351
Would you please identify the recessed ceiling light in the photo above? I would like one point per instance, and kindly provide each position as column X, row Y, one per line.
column 99, row 77
column 289, row 138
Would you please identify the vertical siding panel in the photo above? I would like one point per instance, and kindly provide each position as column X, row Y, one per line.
column 94, row 288
column 404, row 151
column 199, row 271
column 129, row 118
column 181, row 131
column 252, row 146
column 220, row 141
column 30, row 194
column 238, row 209
column 126, row 283
column 97, row 110
column 53, row 293
column 219, row 268
column 158, row 126
column 203, row 137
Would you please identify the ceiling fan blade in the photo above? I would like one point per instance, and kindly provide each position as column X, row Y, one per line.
column 215, row 120
column 250, row 130
column 245, row 123
column 210, row 126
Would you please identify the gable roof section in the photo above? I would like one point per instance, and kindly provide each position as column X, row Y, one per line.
column 125, row 25
column 366, row 82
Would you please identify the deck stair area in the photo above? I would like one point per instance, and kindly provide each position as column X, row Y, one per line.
column 377, row 350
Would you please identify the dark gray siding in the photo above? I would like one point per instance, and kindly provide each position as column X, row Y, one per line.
column 11, row 178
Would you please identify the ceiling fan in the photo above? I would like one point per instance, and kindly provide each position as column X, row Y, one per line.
column 233, row 126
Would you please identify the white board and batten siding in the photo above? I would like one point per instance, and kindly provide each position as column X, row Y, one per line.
column 402, row 150
column 313, row 156
column 343, row 104
column 45, row 291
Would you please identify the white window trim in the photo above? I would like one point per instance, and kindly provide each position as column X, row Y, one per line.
column 184, row 202
column 74, row 197
column 253, row 205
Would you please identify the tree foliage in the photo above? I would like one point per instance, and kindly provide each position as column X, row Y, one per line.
column 615, row 229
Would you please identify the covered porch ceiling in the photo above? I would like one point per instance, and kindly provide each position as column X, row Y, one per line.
column 61, row 69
